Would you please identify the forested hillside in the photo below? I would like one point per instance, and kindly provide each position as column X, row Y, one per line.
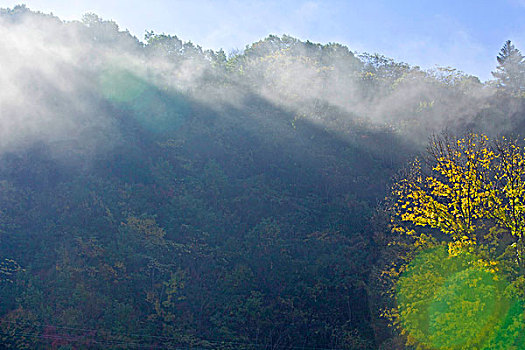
column 157, row 195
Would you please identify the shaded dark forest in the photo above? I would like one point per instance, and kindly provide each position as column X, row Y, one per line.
column 157, row 195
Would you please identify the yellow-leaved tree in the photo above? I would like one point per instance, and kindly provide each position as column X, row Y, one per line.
column 455, row 196
column 507, row 200
column 464, row 207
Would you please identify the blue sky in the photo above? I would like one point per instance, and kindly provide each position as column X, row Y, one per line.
column 464, row 34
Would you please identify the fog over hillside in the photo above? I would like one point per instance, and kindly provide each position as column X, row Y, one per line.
column 62, row 74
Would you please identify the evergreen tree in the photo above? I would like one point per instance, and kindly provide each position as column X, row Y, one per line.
column 510, row 72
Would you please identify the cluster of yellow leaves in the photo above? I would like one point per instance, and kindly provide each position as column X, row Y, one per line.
column 472, row 184
column 508, row 195
column 456, row 194
column 8, row 268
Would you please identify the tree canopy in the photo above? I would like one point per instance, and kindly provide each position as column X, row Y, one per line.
column 470, row 191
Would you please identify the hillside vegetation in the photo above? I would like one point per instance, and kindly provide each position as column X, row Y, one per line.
column 157, row 195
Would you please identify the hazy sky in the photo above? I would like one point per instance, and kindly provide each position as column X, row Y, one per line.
column 464, row 34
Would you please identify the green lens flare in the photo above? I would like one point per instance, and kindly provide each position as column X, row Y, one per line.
column 155, row 109
column 121, row 86
column 454, row 302
column 464, row 309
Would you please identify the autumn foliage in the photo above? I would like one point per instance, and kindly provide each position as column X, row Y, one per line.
column 463, row 207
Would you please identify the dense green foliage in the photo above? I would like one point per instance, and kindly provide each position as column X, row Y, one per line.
column 154, row 194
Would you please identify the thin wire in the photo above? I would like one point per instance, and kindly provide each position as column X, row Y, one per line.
column 107, row 342
column 166, row 338
column 95, row 330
